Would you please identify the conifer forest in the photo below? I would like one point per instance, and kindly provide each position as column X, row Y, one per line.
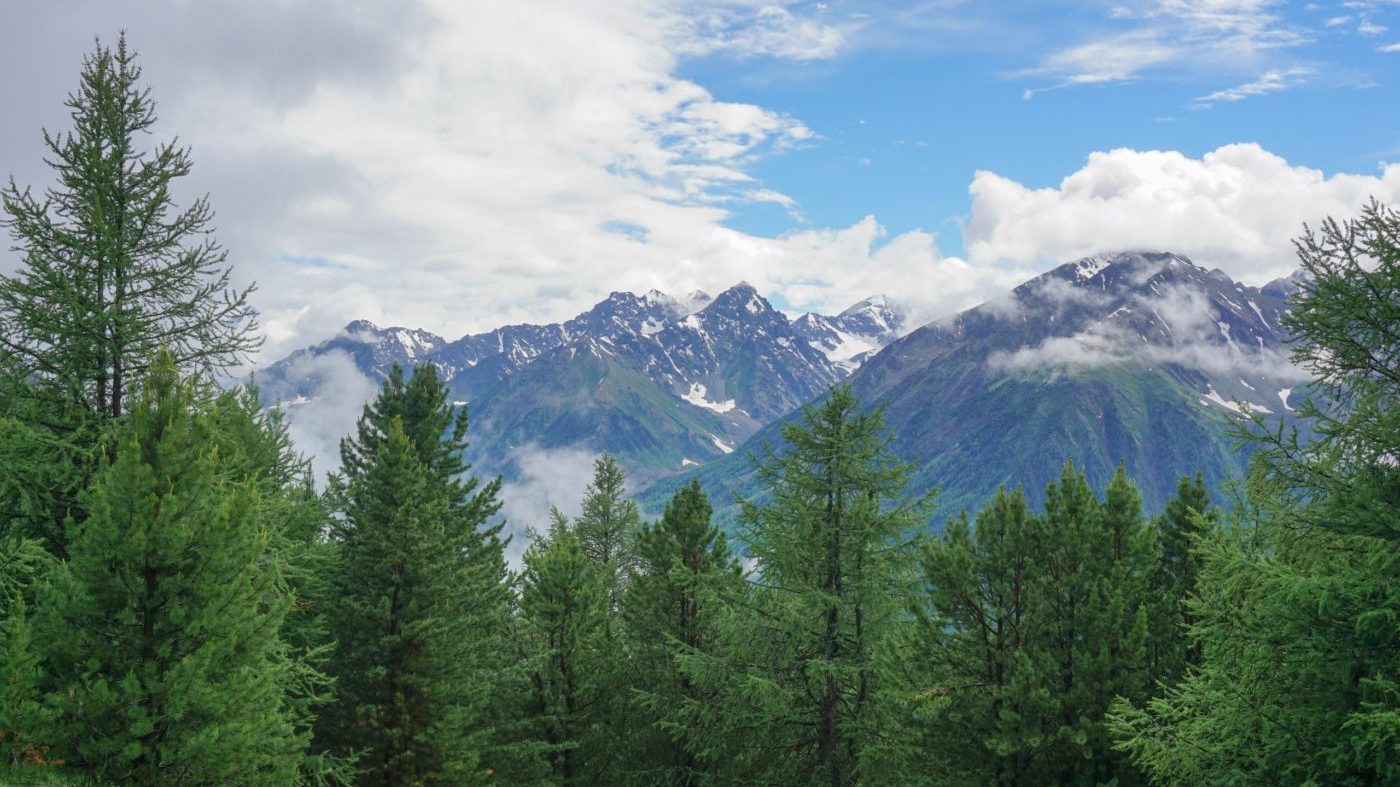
column 185, row 601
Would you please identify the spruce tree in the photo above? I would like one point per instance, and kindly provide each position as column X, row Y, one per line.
column 418, row 604
column 161, row 632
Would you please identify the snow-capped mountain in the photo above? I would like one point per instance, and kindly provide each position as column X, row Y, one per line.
column 663, row 382
column 1141, row 358
column 853, row 335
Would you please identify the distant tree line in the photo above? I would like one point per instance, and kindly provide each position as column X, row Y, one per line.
column 179, row 604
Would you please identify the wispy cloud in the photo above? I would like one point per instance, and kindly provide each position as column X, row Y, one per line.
column 1161, row 34
column 1268, row 82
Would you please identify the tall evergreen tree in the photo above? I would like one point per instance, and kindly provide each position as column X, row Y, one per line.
column 1188, row 520
column 112, row 271
column 967, row 699
column 161, row 632
column 608, row 524
column 419, row 603
column 1031, row 625
column 684, row 574
column 1297, row 600
column 832, row 544
column 564, row 605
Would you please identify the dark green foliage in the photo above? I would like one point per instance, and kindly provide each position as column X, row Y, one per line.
column 683, row 579
column 111, row 274
column 161, row 631
column 1182, row 528
column 1296, row 602
column 1031, row 625
column 417, row 602
column 564, row 606
column 608, row 525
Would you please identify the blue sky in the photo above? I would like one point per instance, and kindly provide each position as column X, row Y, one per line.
column 904, row 117
column 456, row 165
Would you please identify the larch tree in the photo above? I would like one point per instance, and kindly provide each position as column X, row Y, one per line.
column 1297, row 597
column 111, row 272
column 832, row 544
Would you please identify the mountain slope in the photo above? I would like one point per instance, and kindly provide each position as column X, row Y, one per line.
column 1136, row 358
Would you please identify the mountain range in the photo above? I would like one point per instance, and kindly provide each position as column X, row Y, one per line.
column 1139, row 358
column 662, row 383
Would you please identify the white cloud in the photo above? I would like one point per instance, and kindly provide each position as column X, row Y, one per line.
column 1233, row 36
column 473, row 169
column 753, row 29
column 1115, row 59
column 820, row 270
column 1192, row 341
column 545, row 479
column 1269, row 82
column 317, row 423
column 1389, row 48
column 1237, row 208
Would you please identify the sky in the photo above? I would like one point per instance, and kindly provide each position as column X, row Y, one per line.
column 456, row 165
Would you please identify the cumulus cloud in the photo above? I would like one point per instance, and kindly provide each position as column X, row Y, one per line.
column 454, row 166
column 1237, row 208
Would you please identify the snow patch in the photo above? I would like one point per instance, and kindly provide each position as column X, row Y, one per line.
column 1090, row 267
column 721, row 445
column 696, row 396
column 1283, row 397
column 1259, row 314
column 689, row 463
column 1212, row 397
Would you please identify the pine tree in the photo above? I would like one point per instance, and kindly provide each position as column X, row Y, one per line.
column 1188, row 520
column 257, row 440
column 684, row 573
column 1029, row 628
column 968, row 699
column 419, row 603
column 161, row 632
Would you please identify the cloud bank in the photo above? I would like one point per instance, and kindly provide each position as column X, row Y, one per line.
column 1237, row 208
